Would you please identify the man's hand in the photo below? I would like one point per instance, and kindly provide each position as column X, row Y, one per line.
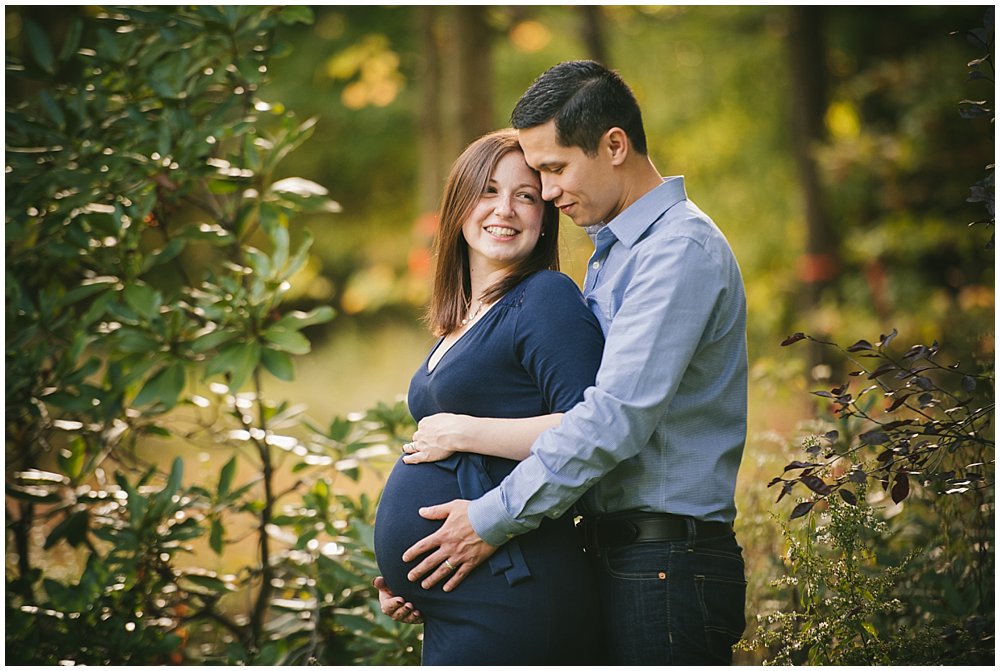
column 396, row 607
column 455, row 549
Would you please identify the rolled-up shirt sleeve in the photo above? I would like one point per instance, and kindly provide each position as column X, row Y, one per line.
column 658, row 322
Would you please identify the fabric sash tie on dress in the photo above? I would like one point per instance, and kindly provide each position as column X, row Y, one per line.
column 474, row 481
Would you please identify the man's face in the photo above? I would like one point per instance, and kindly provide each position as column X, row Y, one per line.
column 582, row 187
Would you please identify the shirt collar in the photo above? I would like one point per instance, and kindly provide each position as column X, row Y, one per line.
column 632, row 222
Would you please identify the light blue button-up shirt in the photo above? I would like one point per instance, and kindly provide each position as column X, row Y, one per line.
column 664, row 426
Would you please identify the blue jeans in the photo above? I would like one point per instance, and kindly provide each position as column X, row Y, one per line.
column 673, row 602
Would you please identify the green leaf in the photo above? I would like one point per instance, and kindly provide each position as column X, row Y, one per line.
column 87, row 288
column 292, row 342
column 271, row 218
column 238, row 360
column 71, row 459
column 73, row 528
column 39, row 46
column 279, row 364
column 164, row 387
column 207, row 580
column 143, row 299
column 280, row 238
column 259, row 261
column 175, row 479
column 71, row 41
column 216, row 539
column 300, row 257
column 52, row 108
column 297, row 320
column 164, row 254
column 212, row 339
column 226, row 478
column 296, row 14
column 34, row 494
column 132, row 340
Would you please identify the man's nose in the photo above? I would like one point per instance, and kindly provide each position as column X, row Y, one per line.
column 550, row 189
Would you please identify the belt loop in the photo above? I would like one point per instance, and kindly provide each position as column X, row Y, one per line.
column 692, row 534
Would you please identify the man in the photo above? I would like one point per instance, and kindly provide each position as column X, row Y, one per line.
column 654, row 447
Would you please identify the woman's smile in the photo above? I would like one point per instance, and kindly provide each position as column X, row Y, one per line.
column 501, row 231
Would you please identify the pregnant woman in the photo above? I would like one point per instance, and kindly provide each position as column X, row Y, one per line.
column 516, row 341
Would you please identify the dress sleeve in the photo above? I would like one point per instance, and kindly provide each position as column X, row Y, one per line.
column 558, row 340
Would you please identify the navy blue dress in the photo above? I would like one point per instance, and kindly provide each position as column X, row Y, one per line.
column 533, row 601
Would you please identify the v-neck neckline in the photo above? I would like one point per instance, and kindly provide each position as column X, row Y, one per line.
column 472, row 327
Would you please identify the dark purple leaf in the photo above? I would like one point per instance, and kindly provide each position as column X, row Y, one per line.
column 857, row 475
column 799, row 464
column 923, row 382
column 860, row 345
column 824, row 394
column 794, row 338
column 969, row 383
column 886, row 339
column 816, row 484
column 874, row 437
column 916, row 350
column 832, row 436
column 801, row 509
column 881, row 370
column 899, row 400
column 848, row 496
column 900, row 488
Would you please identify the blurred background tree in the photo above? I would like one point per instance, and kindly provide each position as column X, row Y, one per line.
column 825, row 141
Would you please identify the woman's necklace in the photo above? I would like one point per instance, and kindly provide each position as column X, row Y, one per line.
column 471, row 316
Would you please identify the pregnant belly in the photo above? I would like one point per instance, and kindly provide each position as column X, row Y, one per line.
column 398, row 525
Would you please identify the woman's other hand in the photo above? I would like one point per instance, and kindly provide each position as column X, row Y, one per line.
column 437, row 437
column 396, row 607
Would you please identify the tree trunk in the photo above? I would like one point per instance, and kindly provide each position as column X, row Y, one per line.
column 474, row 71
column 819, row 264
column 592, row 33
column 432, row 164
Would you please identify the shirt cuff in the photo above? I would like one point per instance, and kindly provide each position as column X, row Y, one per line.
column 490, row 520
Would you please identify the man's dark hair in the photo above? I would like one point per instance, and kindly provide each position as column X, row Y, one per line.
column 585, row 99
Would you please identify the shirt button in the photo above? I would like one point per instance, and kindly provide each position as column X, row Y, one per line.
column 595, row 265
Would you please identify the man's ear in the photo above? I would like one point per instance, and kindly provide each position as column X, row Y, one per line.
column 615, row 142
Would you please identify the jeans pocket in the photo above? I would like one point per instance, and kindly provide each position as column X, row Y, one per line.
column 722, row 601
column 635, row 562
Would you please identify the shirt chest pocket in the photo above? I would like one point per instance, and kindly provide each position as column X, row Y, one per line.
column 604, row 308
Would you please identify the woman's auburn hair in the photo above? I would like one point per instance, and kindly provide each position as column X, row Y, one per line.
column 467, row 182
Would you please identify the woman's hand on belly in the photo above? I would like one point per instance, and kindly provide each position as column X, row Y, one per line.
column 396, row 607
column 437, row 437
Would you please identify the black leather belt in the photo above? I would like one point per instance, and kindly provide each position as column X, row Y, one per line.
column 610, row 531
